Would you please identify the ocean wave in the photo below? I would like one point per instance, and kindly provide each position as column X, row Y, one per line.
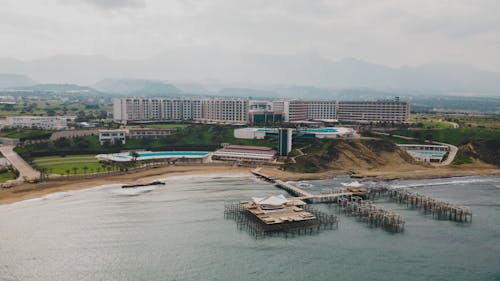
column 446, row 182
column 134, row 191
column 61, row 194
column 203, row 177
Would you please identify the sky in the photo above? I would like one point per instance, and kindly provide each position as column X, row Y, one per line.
column 389, row 32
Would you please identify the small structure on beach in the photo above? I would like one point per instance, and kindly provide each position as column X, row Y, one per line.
column 245, row 153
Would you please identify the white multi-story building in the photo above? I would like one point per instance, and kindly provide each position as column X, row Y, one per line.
column 179, row 109
column 243, row 111
column 373, row 111
column 225, row 111
column 321, row 109
column 155, row 109
column 297, row 110
column 39, row 122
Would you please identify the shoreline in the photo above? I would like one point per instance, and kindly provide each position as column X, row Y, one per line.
column 30, row 191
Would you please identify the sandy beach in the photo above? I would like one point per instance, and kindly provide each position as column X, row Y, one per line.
column 29, row 191
column 392, row 173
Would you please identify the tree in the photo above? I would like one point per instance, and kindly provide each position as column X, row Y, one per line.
column 134, row 155
column 85, row 168
column 67, row 172
column 75, row 169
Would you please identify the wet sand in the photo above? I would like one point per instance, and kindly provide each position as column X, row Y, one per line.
column 29, row 191
column 392, row 173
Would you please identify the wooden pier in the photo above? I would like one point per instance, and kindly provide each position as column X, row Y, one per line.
column 350, row 201
column 304, row 195
column 439, row 209
column 373, row 215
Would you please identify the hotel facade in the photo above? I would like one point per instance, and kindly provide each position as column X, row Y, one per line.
column 245, row 111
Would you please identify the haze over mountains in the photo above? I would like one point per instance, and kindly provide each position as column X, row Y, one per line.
column 188, row 66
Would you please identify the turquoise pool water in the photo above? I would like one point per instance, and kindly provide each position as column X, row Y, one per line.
column 166, row 154
column 307, row 131
column 321, row 130
column 431, row 152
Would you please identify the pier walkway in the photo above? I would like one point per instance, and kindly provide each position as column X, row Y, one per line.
column 300, row 193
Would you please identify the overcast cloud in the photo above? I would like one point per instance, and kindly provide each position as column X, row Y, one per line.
column 393, row 33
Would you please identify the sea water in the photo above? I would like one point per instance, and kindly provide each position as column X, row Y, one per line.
column 178, row 232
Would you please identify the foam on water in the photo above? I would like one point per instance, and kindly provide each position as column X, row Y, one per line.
column 438, row 182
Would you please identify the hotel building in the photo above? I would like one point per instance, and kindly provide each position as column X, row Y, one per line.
column 244, row 111
column 177, row 109
column 39, row 122
column 321, row 110
column 373, row 111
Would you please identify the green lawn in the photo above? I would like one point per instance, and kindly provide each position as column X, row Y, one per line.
column 165, row 126
column 452, row 136
column 6, row 176
column 434, row 124
column 60, row 165
column 25, row 133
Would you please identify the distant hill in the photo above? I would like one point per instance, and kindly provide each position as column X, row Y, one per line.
column 136, row 87
column 59, row 88
column 15, row 80
column 232, row 68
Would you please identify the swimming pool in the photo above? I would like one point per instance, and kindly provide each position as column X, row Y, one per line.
column 307, row 131
column 147, row 155
column 321, row 130
column 439, row 153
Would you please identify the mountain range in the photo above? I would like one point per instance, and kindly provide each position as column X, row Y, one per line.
column 190, row 67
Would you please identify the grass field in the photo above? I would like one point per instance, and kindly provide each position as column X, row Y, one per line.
column 434, row 124
column 61, row 165
column 453, row 136
column 6, row 175
column 25, row 133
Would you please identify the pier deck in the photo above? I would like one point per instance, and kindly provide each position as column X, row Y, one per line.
column 300, row 193
column 290, row 213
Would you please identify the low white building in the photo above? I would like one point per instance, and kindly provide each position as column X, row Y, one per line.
column 245, row 153
column 121, row 135
column 252, row 133
column 425, row 152
column 320, row 133
column 113, row 136
column 39, row 122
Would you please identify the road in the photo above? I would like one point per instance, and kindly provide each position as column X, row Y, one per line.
column 25, row 170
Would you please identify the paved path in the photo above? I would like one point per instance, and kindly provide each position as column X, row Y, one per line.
column 451, row 155
column 25, row 170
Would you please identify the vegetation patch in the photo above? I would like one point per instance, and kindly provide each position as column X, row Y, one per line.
column 486, row 150
column 378, row 146
column 70, row 164
column 317, row 157
column 452, row 136
column 25, row 134
column 7, row 174
column 190, row 138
